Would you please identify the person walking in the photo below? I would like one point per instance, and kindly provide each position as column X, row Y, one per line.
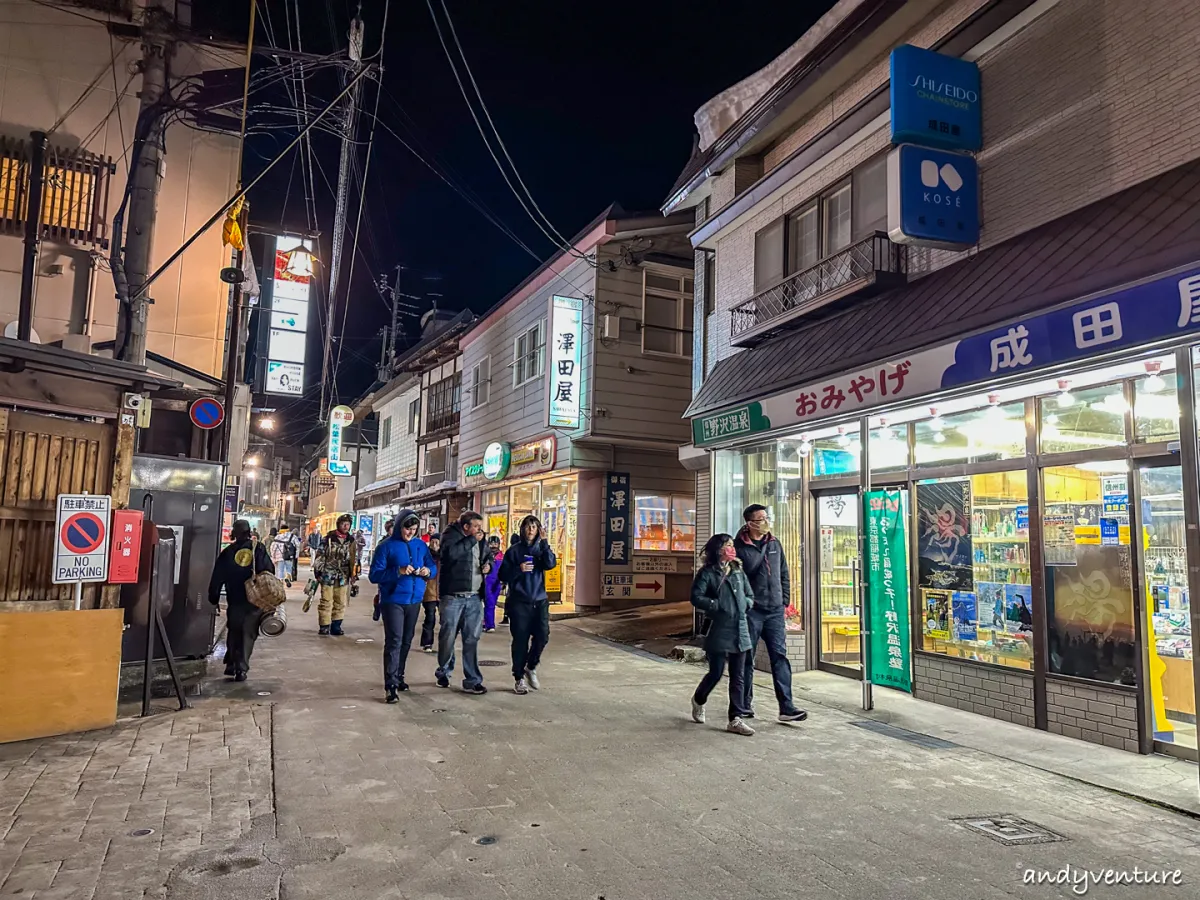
column 765, row 567
column 241, row 560
column 336, row 569
column 430, row 603
column 281, row 543
column 401, row 566
column 492, row 584
column 720, row 590
column 528, row 605
column 463, row 565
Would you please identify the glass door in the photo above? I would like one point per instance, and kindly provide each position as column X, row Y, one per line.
column 1171, row 689
column 837, row 523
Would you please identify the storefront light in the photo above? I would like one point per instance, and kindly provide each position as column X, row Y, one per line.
column 843, row 439
column 1065, row 399
column 1113, row 403
column 1154, row 381
column 995, row 412
column 805, row 446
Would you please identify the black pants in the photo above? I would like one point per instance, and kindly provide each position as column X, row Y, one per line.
column 242, row 620
column 429, row 625
column 772, row 628
column 738, row 700
column 399, row 623
column 530, row 627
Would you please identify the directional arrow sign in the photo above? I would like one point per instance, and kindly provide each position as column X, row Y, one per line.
column 654, row 586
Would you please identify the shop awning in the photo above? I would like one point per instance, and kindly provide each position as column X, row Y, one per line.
column 1147, row 229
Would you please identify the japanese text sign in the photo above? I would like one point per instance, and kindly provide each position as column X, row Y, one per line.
column 566, row 358
column 81, row 538
column 618, row 522
column 887, row 591
column 933, row 197
column 126, row 546
column 935, row 99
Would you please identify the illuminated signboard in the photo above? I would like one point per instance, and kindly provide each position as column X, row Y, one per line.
column 566, row 358
column 339, row 418
column 288, row 335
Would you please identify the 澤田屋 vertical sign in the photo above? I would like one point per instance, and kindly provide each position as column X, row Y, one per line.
column 887, row 591
column 566, row 358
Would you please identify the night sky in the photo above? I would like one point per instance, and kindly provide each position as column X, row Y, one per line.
column 595, row 106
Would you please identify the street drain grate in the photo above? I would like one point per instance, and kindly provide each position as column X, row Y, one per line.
column 1012, row 831
column 903, row 734
column 492, row 662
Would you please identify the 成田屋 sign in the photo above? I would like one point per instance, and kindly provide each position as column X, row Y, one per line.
column 1126, row 318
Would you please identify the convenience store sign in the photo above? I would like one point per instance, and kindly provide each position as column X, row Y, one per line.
column 1155, row 310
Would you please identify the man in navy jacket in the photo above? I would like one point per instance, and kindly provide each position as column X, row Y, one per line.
column 401, row 566
column 528, row 605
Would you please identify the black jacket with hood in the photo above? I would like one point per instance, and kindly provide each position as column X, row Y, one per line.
column 455, row 562
column 766, row 568
column 527, row 587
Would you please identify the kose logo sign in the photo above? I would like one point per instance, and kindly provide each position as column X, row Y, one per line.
column 933, row 177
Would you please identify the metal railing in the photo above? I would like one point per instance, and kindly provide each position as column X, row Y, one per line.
column 873, row 260
column 74, row 196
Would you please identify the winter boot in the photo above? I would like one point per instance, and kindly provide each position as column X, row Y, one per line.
column 324, row 630
column 335, row 628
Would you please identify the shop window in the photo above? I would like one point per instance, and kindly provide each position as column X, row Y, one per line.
column 665, row 522
column 1088, row 418
column 979, row 435
column 559, row 515
column 974, row 585
column 667, row 314
column 481, row 382
column 1089, row 583
column 526, row 500
column 1155, row 408
column 837, row 456
column 529, row 354
column 889, row 448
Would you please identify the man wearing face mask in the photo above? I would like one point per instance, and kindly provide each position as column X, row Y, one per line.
column 401, row 566
column 766, row 567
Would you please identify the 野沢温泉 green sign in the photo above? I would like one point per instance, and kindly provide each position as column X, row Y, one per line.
column 887, row 591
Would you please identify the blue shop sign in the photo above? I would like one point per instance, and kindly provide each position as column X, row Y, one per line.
column 1135, row 316
column 935, row 100
column 933, row 197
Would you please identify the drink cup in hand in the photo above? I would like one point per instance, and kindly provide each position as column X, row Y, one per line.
column 527, row 566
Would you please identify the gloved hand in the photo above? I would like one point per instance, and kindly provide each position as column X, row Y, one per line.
column 377, row 613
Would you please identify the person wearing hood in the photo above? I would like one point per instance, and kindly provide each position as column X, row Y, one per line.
column 766, row 569
column 401, row 566
column 492, row 584
column 721, row 591
column 528, row 605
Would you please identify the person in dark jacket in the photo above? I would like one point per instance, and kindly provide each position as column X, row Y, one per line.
column 238, row 562
column 721, row 591
column 463, row 564
column 766, row 569
column 528, row 605
column 400, row 567
column 430, row 601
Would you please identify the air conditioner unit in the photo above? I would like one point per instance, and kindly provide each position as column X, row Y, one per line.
column 612, row 328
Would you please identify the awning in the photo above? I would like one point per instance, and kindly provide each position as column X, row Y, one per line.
column 1140, row 232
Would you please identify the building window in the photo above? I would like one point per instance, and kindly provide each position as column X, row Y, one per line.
column 74, row 192
column 710, row 284
column 769, row 256
column 414, row 415
column 870, row 197
column 668, row 312
column 385, row 436
column 481, row 382
column 444, row 399
column 435, row 461
column 665, row 522
column 529, row 354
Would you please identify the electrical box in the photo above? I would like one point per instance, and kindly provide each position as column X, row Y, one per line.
column 612, row 328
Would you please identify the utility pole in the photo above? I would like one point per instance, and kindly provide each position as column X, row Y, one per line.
column 158, row 45
column 395, row 318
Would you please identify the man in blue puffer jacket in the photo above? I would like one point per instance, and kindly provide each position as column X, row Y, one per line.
column 401, row 566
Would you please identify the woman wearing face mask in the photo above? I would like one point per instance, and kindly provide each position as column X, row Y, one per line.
column 401, row 566
column 722, row 591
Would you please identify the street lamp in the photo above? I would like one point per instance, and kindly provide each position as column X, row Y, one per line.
column 266, row 423
column 300, row 262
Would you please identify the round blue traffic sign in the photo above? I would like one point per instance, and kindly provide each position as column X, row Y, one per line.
column 206, row 412
column 82, row 533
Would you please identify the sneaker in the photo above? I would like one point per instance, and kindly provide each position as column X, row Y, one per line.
column 240, row 676
column 793, row 715
column 488, row 630
column 427, row 649
column 443, row 681
column 402, row 686
column 475, row 689
column 532, row 677
column 392, row 696
column 697, row 713
column 521, row 687
column 737, row 726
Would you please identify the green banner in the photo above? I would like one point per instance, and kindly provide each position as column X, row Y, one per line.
column 887, row 592
column 729, row 424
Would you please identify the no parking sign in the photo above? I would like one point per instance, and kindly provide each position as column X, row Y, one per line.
column 81, row 538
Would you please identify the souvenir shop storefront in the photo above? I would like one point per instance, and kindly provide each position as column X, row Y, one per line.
column 1047, row 483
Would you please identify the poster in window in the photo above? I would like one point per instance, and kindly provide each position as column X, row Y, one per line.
column 1018, row 609
column 991, row 605
column 963, row 607
column 618, row 524
column 944, row 536
column 937, row 614
column 1090, row 614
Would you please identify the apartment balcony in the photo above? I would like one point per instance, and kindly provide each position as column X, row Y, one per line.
column 872, row 265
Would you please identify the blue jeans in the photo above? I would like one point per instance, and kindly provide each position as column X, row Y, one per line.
column 771, row 627
column 460, row 612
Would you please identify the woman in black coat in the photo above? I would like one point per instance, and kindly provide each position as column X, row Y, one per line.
column 722, row 592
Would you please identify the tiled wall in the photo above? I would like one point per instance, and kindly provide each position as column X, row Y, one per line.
column 795, row 652
column 1093, row 713
column 986, row 690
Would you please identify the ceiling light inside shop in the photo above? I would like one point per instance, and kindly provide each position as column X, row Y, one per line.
column 805, row 446
column 843, row 439
column 1154, row 381
column 1064, row 394
column 1113, row 403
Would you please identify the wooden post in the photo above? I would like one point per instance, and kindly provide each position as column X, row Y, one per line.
column 110, row 595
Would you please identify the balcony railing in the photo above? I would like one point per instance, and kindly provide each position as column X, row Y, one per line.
column 873, row 264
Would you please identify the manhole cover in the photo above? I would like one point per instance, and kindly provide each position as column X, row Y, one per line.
column 493, row 662
column 142, row 832
column 903, row 734
column 485, row 840
column 1012, row 831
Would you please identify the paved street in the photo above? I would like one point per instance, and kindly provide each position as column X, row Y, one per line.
column 597, row 786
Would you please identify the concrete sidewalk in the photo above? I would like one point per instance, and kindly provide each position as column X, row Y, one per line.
column 301, row 783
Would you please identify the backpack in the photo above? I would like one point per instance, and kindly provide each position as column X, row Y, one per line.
column 289, row 549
